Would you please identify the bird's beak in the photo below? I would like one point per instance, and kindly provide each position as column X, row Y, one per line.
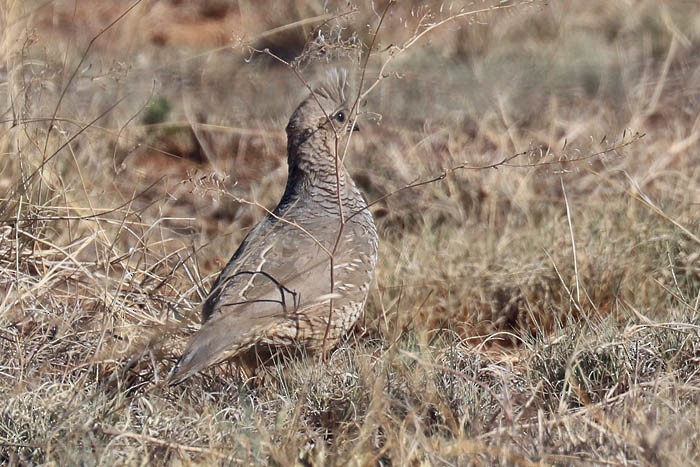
column 354, row 127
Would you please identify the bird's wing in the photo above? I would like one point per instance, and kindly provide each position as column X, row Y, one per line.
column 264, row 294
column 279, row 263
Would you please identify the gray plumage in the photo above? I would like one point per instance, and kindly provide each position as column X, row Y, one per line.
column 301, row 277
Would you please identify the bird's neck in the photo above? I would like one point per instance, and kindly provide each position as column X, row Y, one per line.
column 311, row 173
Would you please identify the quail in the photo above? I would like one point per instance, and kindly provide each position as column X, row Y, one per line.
column 300, row 278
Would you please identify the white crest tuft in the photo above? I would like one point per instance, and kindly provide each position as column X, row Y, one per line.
column 334, row 86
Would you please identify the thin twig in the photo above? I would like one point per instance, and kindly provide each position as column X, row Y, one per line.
column 80, row 63
column 167, row 444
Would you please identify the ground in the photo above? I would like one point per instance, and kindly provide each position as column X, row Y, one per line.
column 533, row 168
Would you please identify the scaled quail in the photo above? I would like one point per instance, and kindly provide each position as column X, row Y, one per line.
column 300, row 279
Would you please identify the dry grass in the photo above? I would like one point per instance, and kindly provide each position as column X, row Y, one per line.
column 545, row 311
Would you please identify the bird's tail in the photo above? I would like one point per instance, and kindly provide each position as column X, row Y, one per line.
column 215, row 342
column 195, row 359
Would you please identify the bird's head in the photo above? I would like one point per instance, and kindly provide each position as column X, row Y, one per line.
column 323, row 118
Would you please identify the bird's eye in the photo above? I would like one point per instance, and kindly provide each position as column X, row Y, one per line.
column 340, row 116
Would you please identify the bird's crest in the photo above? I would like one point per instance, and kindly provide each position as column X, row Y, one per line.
column 334, row 86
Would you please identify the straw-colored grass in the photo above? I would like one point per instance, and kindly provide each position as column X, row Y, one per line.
column 537, row 304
